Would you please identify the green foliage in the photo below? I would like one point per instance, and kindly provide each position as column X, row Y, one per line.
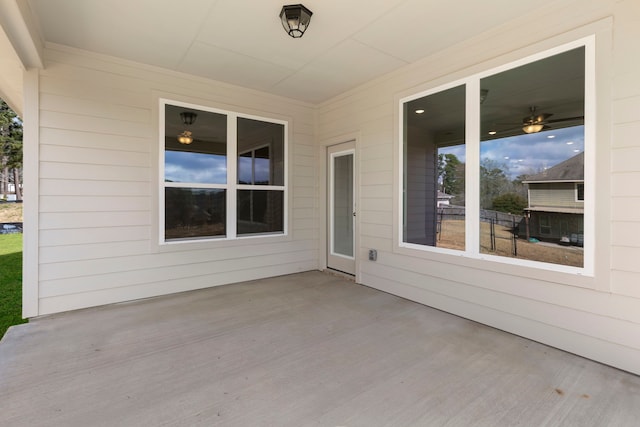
column 510, row 203
column 10, row 281
column 451, row 173
column 10, row 136
column 493, row 182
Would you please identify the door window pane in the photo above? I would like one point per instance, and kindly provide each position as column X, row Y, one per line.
column 343, row 205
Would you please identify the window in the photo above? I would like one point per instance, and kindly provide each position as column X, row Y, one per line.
column 545, row 225
column 580, row 192
column 223, row 174
column 506, row 149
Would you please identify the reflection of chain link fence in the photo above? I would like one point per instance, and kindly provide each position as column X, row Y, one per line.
column 506, row 220
column 509, row 221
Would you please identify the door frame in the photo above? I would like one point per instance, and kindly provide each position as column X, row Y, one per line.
column 323, row 240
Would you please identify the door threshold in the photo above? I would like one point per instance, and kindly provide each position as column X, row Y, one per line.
column 341, row 273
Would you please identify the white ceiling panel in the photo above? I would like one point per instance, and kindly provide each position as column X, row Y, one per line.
column 232, row 67
column 242, row 41
column 418, row 28
column 254, row 28
column 347, row 65
column 148, row 31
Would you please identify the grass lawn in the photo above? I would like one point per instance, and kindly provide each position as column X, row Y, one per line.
column 10, row 281
column 453, row 234
column 10, row 212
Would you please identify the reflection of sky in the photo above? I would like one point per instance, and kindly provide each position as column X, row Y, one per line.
column 261, row 170
column 181, row 166
column 528, row 154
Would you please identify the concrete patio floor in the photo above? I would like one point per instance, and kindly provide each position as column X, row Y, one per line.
column 309, row 349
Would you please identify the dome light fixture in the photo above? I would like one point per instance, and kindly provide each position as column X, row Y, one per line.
column 295, row 19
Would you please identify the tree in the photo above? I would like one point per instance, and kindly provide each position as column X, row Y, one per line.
column 509, row 203
column 10, row 150
column 451, row 174
column 493, row 182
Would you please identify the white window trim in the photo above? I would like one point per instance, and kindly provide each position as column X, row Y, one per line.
column 472, row 150
column 231, row 186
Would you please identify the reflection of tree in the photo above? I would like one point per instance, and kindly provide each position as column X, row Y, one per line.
column 510, row 203
column 451, row 174
column 493, row 182
column 194, row 213
column 519, row 188
column 10, row 150
column 497, row 192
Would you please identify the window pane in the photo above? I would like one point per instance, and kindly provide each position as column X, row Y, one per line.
column 194, row 212
column 434, row 156
column 260, row 211
column 263, row 143
column 532, row 159
column 204, row 160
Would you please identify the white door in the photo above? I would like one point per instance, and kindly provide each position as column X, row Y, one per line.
column 341, row 203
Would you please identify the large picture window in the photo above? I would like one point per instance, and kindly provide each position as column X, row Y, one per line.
column 494, row 166
column 223, row 174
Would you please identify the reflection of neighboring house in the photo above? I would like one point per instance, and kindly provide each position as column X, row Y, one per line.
column 443, row 199
column 556, row 202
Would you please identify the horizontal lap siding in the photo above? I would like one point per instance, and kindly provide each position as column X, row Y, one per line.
column 98, row 186
column 563, row 310
column 625, row 154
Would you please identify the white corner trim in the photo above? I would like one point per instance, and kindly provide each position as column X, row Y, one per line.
column 31, row 208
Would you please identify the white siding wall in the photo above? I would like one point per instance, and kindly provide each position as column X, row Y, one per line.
column 98, row 175
column 598, row 317
column 558, row 195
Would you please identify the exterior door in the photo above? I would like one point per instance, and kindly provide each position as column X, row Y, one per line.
column 341, row 208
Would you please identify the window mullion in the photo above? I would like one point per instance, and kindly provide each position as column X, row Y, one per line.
column 232, row 175
column 472, row 169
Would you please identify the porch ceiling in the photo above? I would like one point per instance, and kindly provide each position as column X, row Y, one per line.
column 304, row 349
column 242, row 41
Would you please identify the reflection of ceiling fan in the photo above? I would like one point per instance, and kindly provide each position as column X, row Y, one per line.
column 536, row 122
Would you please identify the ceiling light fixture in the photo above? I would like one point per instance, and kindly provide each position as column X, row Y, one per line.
column 295, row 19
column 483, row 95
column 185, row 138
column 188, row 118
column 492, row 132
column 420, row 111
column 532, row 128
column 535, row 122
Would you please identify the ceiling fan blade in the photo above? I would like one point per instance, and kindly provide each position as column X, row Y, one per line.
column 536, row 118
column 567, row 119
